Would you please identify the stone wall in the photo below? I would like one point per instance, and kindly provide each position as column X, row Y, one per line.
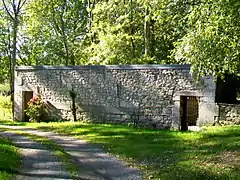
column 146, row 94
column 229, row 114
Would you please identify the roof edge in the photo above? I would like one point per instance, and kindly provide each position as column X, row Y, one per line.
column 108, row 67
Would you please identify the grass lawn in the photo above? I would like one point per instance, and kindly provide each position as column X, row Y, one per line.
column 9, row 159
column 213, row 153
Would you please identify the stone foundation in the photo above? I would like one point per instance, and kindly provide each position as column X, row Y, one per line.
column 229, row 114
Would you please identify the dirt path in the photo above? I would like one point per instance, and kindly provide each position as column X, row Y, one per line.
column 92, row 161
column 37, row 162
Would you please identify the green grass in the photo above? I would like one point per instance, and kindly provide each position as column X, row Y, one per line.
column 9, row 159
column 213, row 153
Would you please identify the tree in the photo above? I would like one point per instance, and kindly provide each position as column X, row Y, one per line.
column 211, row 44
column 13, row 9
column 57, row 30
column 5, row 47
column 68, row 32
column 117, row 29
column 148, row 31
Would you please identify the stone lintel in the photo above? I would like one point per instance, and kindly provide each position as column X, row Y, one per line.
column 186, row 93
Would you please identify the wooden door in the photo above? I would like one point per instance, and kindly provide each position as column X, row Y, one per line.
column 27, row 95
column 183, row 113
column 189, row 111
column 192, row 110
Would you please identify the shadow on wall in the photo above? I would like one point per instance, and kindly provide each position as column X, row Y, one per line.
column 17, row 109
column 109, row 96
column 54, row 114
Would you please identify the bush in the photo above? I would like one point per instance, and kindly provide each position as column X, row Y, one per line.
column 37, row 109
column 4, row 89
column 5, row 102
column 5, row 107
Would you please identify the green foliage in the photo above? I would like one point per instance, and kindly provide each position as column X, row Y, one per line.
column 4, row 46
column 55, row 31
column 5, row 108
column 5, row 102
column 9, row 159
column 37, row 109
column 203, row 33
column 4, row 88
column 211, row 43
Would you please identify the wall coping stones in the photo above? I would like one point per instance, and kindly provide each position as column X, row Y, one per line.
column 108, row 67
column 227, row 104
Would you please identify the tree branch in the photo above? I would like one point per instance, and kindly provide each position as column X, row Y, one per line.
column 21, row 5
column 7, row 10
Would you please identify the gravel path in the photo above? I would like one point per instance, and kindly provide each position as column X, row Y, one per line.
column 37, row 162
column 94, row 164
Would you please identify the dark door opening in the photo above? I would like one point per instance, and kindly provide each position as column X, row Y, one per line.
column 189, row 110
column 27, row 95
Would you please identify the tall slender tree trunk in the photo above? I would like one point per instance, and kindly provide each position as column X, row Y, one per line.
column 132, row 29
column 147, row 38
column 152, row 37
column 66, row 50
column 149, row 33
column 13, row 9
column 13, row 63
column 73, row 60
column 63, row 33
column 91, row 6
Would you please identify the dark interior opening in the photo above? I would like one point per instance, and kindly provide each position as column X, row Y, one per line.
column 27, row 95
column 228, row 89
column 189, row 111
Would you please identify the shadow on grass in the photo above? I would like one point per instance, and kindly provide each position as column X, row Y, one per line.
column 12, row 123
column 191, row 171
column 9, row 157
column 161, row 153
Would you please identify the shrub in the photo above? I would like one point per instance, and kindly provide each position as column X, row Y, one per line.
column 5, row 102
column 37, row 109
column 5, row 108
column 4, row 89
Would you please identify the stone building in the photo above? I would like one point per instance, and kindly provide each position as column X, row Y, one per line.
column 156, row 96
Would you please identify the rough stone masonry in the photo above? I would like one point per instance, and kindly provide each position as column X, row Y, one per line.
column 146, row 94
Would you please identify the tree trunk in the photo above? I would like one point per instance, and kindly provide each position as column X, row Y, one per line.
column 13, row 9
column 149, row 34
column 147, row 38
column 66, row 50
column 13, row 62
column 91, row 6
column 63, row 34
column 152, row 37
column 132, row 29
column 72, row 60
